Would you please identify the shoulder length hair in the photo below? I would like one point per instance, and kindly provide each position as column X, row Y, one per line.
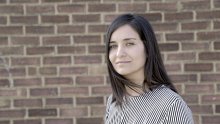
column 154, row 72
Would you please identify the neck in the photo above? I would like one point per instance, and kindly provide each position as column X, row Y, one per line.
column 134, row 91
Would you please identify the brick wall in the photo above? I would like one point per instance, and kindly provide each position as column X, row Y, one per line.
column 52, row 62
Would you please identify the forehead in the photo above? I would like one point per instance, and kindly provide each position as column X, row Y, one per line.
column 124, row 32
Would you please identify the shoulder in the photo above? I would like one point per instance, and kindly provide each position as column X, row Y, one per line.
column 166, row 96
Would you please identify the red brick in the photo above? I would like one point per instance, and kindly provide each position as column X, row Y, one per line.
column 210, row 99
column 24, row 61
column 173, row 67
column 87, row 39
column 10, row 30
column 195, row 46
column 4, row 72
column 161, row 27
column 13, row 93
column 40, row 29
column 44, row 92
column 61, row 60
column 97, row 28
column 3, row 20
column 55, row 1
column 17, row 72
column 11, row 9
column 12, row 114
column 217, row 45
column 218, row 66
column 210, row 77
column 74, row 112
column 196, row 5
column 102, row 7
column 28, row 121
column 183, row 78
column 73, row 70
column 197, row 89
column 209, row 56
column 59, row 121
column 152, row 17
column 23, row 1
column 169, row 46
column 39, row 9
column 4, row 83
column 25, row 40
column 27, row 82
column 42, row 112
column 56, row 40
column 133, row 7
column 59, row 101
column 214, row 35
column 179, row 36
column 28, row 103
column 81, row 91
column 55, row 19
column 216, row 3
column 24, row 20
column 89, row 120
column 198, row 67
column 93, row 59
column 89, row 100
column 89, row 80
column 211, row 14
column 3, row 1
column 11, row 51
column 71, row 29
column 213, row 119
column 85, row 1
column 216, row 24
column 71, row 8
column 59, row 81
column 86, row 18
column 179, row 16
column 110, row 17
column 199, row 25
column 181, row 56
column 98, row 110
column 96, row 49
column 201, row 109
column 217, row 108
column 71, row 50
column 165, row 6
column 40, row 50
column 102, row 90
column 48, row 71
column 191, row 99
column 3, row 41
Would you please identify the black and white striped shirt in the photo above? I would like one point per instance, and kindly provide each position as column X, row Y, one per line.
column 160, row 106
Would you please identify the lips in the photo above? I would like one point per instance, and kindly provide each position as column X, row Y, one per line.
column 122, row 62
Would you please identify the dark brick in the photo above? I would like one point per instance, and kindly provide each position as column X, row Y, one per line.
column 42, row 112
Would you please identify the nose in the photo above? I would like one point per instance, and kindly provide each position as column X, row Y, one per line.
column 121, row 52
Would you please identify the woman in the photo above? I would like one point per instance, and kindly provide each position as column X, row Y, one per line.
column 142, row 91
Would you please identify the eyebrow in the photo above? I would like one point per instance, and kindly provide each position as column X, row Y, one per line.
column 126, row 39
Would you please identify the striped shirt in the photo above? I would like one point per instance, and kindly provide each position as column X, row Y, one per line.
column 160, row 106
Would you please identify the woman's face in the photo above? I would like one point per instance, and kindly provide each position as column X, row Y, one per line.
column 127, row 52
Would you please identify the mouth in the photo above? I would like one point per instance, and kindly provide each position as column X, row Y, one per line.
column 122, row 62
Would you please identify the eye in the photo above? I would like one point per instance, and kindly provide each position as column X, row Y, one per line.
column 113, row 46
column 130, row 44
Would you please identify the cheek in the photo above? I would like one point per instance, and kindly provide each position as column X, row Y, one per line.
column 111, row 57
